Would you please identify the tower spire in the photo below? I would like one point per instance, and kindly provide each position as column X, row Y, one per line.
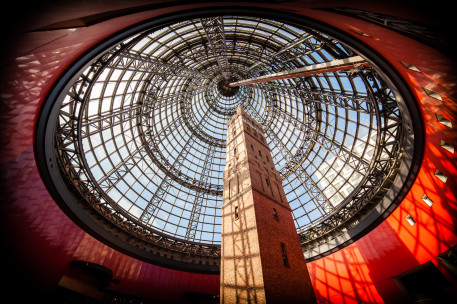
column 262, row 260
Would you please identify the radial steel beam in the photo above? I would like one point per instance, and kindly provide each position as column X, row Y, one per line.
column 130, row 60
column 315, row 192
column 300, row 47
column 201, row 196
column 214, row 30
column 172, row 170
column 358, row 103
column 317, row 137
column 165, row 185
column 185, row 106
column 321, row 68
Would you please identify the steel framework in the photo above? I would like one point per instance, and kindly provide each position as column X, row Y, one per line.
column 140, row 134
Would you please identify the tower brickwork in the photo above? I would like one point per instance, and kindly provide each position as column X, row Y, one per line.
column 262, row 260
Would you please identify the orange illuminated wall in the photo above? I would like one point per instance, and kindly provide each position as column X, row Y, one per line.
column 364, row 271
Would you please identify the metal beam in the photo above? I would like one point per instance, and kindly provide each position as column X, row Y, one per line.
column 214, row 30
column 314, row 191
column 130, row 60
column 163, row 188
column 200, row 196
column 153, row 121
column 320, row 68
column 185, row 107
column 358, row 103
column 299, row 47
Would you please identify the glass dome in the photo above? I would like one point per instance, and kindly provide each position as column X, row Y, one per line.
column 139, row 133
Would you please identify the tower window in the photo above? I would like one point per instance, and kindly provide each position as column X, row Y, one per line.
column 260, row 153
column 284, row 255
column 261, row 181
column 229, row 190
column 275, row 214
column 236, row 213
column 279, row 193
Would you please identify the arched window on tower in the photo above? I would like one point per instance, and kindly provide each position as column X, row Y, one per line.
column 284, row 255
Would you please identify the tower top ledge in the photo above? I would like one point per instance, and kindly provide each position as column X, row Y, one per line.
column 240, row 110
column 246, row 118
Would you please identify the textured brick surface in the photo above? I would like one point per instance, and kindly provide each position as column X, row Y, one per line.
column 257, row 224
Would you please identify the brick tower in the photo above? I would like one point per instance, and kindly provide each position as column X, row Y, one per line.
column 262, row 260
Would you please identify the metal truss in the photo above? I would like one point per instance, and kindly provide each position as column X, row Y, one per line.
column 302, row 46
column 214, row 30
column 140, row 135
column 342, row 100
column 291, row 55
column 129, row 60
column 200, row 197
column 382, row 168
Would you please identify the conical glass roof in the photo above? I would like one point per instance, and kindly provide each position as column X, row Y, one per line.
column 140, row 134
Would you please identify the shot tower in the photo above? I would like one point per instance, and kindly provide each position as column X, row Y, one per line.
column 262, row 260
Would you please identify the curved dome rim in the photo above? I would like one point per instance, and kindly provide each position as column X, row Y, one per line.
column 72, row 73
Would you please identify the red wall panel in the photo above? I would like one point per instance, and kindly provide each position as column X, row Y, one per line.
column 394, row 246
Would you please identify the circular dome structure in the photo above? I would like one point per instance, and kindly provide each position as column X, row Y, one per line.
column 133, row 136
